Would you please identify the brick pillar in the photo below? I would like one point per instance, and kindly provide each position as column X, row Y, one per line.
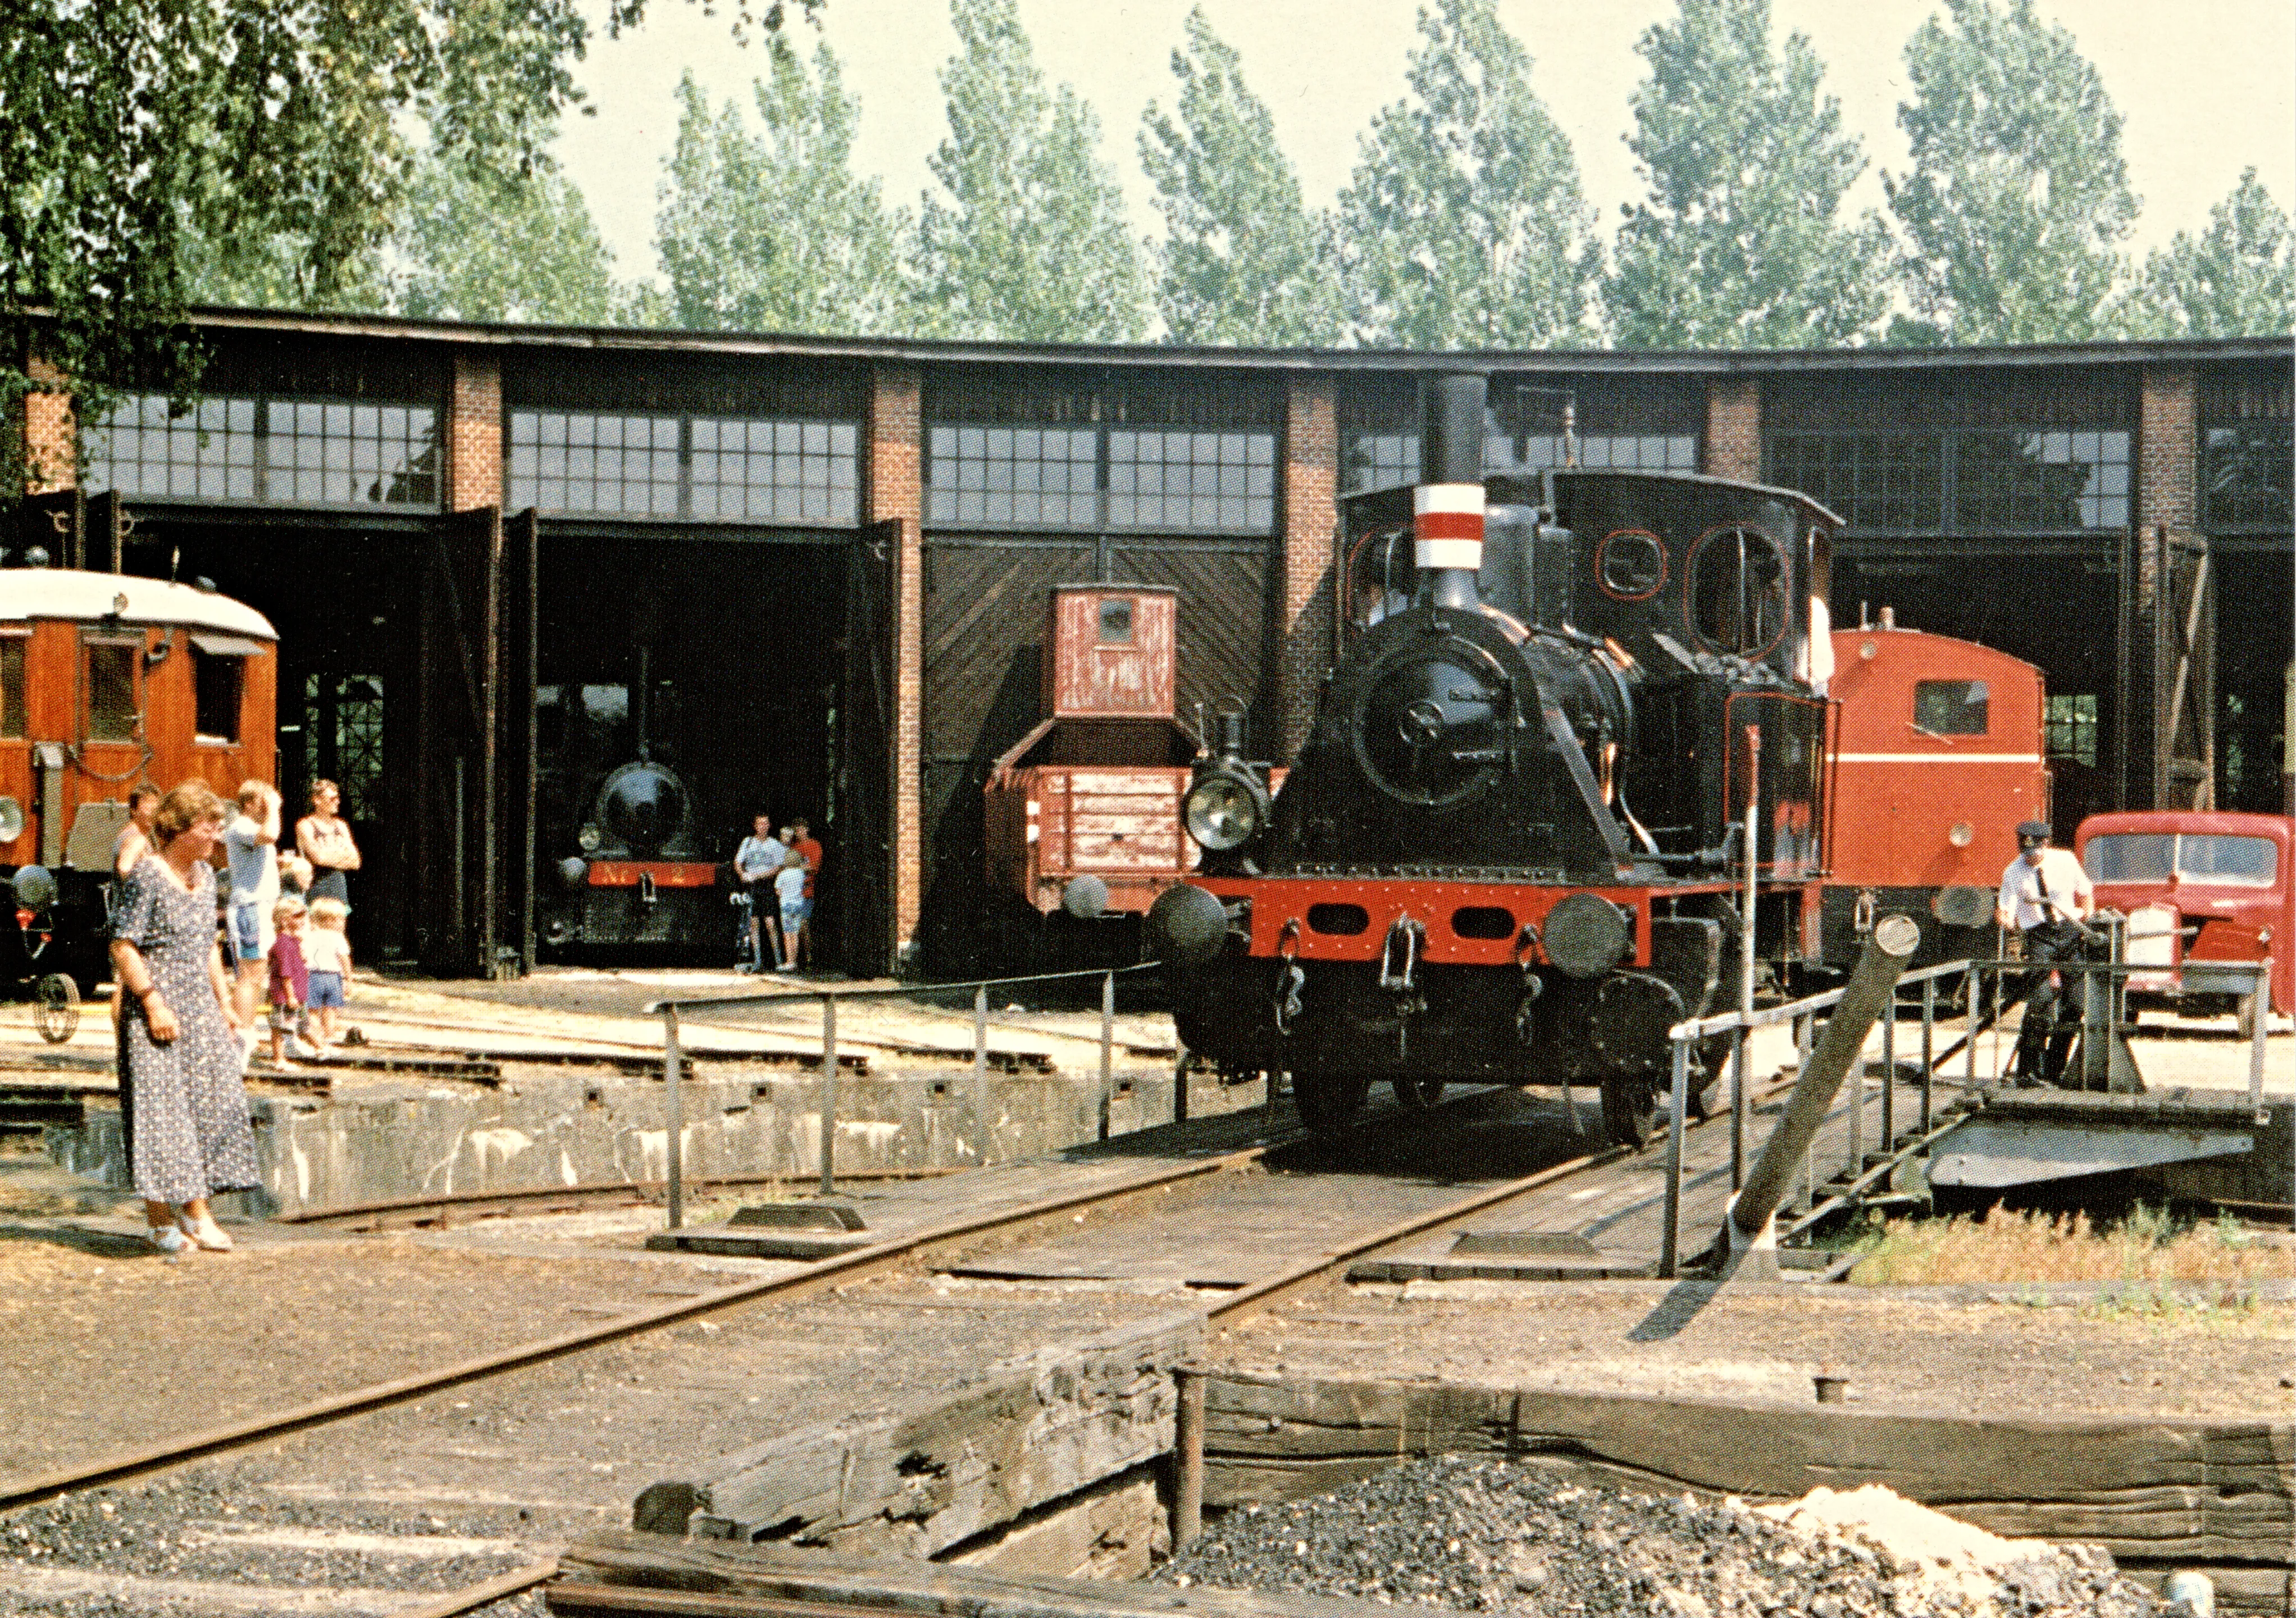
column 2160, row 733
column 897, row 496
column 1305, row 580
column 1734, row 428
column 474, row 432
column 51, row 434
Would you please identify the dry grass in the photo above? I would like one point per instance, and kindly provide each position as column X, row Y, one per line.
column 2148, row 1246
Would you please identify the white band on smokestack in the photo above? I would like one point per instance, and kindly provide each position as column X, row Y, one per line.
column 1447, row 526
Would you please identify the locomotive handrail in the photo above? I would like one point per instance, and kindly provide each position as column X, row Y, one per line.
column 673, row 1065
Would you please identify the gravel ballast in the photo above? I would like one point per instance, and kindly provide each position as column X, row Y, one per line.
column 1491, row 1536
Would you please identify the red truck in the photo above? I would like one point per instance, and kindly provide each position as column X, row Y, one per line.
column 2199, row 887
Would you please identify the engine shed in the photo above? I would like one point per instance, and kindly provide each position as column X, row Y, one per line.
column 828, row 562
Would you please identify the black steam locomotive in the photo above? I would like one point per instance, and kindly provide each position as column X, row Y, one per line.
column 1514, row 847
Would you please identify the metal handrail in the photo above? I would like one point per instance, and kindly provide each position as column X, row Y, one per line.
column 673, row 1063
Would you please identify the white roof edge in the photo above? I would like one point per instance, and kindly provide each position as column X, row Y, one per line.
column 32, row 593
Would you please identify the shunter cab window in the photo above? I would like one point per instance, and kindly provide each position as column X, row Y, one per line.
column 1950, row 708
column 11, row 684
column 111, row 690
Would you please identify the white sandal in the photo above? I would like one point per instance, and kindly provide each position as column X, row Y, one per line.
column 205, row 1232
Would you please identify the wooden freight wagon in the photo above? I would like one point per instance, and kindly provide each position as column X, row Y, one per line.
column 1083, row 813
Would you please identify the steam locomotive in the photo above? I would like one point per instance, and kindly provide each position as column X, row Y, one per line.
column 1514, row 846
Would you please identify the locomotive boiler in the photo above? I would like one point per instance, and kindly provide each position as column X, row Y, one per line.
column 1514, row 847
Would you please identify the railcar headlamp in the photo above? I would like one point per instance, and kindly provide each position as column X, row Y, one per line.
column 1224, row 809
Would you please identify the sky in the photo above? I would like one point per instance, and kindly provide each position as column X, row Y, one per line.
column 2205, row 88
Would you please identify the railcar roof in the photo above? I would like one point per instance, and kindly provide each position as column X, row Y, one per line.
column 67, row 593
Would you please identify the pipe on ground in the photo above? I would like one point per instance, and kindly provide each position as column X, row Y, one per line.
column 1888, row 948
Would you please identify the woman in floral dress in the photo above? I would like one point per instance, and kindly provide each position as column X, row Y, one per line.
column 181, row 1098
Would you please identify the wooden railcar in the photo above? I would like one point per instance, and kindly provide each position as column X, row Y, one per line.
column 107, row 681
column 1938, row 755
column 1084, row 811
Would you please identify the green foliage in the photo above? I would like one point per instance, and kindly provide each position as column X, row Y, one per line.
column 1463, row 226
column 1026, row 239
column 773, row 232
column 2018, row 198
column 491, row 247
column 1740, row 244
column 249, row 145
column 1243, row 261
column 2237, row 278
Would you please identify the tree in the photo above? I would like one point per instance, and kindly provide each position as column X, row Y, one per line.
column 1243, row 261
column 2018, row 197
column 149, row 140
column 1740, row 243
column 1026, row 238
column 477, row 246
column 2235, row 279
column 1462, row 225
column 774, row 233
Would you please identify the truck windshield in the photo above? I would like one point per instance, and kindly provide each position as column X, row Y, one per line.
column 2246, row 862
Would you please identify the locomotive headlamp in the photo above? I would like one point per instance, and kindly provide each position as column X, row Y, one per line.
column 35, row 888
column 588, row 837
column 12, row 819
column 1224, row 809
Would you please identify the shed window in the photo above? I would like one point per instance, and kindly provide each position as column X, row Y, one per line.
column 112, row 691
column 1950, row 708
column 217, row 681
column 11, row 684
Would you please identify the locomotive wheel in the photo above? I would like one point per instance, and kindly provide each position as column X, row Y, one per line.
column 56, row 1009
column 1418, row 1094
column 1328, row 1101
column 1630, row 1111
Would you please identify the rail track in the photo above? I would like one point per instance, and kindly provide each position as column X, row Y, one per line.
column 1106, row 1195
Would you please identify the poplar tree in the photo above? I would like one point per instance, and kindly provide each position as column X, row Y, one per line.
column 2018, row 199
column 1463, row 224
column 2237, row 278
column 774, row 232
column 1026, row 238
column 482, row 246
column 1740, row 243
column 1243, row 260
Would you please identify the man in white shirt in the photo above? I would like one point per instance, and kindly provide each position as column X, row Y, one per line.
column 756, row 862
column 2045, row 899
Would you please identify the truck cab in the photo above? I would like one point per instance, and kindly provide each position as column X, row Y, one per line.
column 2199, row 887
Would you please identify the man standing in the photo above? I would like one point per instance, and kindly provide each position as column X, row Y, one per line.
column 801, row 841
column 755, row 865
column 252, row 852
column 2047, row 898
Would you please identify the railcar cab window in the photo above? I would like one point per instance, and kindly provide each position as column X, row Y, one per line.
column 1950, row 708
column 111, row 712
column 1738, row 591
column 218, row 680
column 11, row 684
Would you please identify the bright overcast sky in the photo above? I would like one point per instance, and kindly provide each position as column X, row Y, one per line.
column 2206, row 88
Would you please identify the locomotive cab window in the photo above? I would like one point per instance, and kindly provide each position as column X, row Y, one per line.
column 111, row 690
column 1950, row 708
column 1737, row 593
column 11, row 684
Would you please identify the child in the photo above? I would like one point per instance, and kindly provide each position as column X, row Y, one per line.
column 789, row 888
column 291, row 983
column 329, row 953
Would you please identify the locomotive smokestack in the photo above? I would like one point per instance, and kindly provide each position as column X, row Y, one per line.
column 1447, row 506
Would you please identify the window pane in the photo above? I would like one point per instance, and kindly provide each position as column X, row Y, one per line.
column 1950, row 708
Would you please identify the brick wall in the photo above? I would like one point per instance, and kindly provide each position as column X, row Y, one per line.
column 1305, row 580
column 895, row 494
column 51, row 446
column 474, row 433
column 1734, row 428
column 2168, row 448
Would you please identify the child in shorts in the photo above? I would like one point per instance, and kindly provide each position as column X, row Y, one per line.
column 290, row 980
column 789, row 889
column 329, row 953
